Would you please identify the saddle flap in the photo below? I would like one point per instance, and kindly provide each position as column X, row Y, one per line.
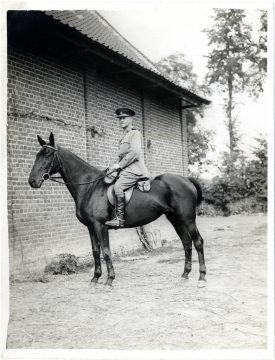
column 111, row 195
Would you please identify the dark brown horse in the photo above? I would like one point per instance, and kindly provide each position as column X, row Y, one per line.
column 172, row 195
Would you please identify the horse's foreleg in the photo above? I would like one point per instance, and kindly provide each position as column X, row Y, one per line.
column 198, row 243
column 186, row 242
column 96, row 254
column 103, row 236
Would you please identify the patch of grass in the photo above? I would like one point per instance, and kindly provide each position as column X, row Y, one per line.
column 67, row 264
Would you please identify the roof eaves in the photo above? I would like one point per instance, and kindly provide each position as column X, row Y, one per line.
column 151, row 67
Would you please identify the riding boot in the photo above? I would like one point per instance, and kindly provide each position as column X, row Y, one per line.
column 118, row 220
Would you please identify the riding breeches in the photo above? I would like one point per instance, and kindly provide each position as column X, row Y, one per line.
column 125, row 181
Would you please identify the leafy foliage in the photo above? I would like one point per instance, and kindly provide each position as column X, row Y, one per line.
column 256, row 171
column 242, row 185
column 67, row 264
column 233, row 50
column 180, row 70
column 200, row 141
column 263, row 39
column 233, row 63
column 258, row 69
column 247, row 205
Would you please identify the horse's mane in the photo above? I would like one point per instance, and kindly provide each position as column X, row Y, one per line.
column 83, row 162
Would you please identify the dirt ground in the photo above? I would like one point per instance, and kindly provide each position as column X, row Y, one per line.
column 150, row 305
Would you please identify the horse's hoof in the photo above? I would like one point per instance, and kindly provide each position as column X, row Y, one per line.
column 109, row 282
column 94, row 282
column 201, row 283
column 109, row 287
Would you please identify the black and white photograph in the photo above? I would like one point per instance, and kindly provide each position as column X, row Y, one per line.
column 137, row 148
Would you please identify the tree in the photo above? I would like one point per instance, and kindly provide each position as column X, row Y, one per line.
column 231, row 63
column 180, row 70
column 258, row 69
column 200, row 141
column 263, row 40
column 244, row 185
column 256, row 172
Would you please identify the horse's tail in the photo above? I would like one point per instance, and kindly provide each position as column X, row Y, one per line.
column 198, row 188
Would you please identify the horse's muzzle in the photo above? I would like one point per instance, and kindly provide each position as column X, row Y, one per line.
column 34, row 183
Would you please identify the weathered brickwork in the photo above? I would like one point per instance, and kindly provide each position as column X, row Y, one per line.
column 43, row 97
column 78, row 106
column 103, row 96
column 163, row 132
column 184, row 143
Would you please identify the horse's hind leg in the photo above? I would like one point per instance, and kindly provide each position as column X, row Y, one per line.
column 198, row 243
column 186, row 242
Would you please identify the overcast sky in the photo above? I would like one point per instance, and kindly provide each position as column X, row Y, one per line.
column 158, row 32
column 162, row 31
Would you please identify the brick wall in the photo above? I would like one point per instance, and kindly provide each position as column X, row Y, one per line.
column 184, row 142
column 45, row 96
column 163, row 130
column 103, row 97
column 42, row 97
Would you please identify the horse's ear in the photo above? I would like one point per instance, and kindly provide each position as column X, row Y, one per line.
column 51, row 139
column 40, row 140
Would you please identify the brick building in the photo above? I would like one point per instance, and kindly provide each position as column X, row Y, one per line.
column 67, row 73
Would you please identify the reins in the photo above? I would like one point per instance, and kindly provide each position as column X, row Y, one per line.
column 54, row 179
column 47, row 176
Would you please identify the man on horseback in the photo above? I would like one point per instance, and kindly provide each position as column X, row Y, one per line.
column 173, row 195
column 131, row 166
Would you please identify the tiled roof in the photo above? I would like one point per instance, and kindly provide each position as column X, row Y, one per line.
column 95, row 27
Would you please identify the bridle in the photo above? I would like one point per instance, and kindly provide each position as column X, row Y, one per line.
column 47, row 176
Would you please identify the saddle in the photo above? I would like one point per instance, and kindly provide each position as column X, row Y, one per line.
column 142, row 185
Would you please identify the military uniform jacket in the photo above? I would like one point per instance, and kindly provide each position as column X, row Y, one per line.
column 129, row 153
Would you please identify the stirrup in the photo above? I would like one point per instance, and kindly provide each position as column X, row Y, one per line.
column 116, row 222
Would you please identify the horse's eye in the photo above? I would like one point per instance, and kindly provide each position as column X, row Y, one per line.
column 44, row 153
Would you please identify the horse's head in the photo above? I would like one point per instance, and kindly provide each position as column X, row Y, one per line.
column 46, row 162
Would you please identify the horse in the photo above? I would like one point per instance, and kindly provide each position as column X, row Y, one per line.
column 173, row 195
